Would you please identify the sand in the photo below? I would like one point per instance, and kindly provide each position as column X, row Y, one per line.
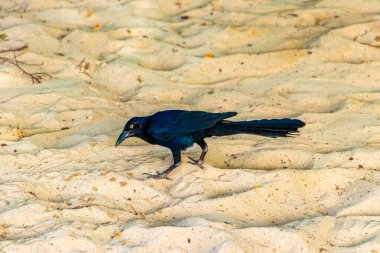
column 66, row 188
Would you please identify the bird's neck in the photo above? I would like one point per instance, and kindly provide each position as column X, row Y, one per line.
column 143, row 133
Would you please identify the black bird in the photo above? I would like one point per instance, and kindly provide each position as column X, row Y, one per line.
column 178, row 130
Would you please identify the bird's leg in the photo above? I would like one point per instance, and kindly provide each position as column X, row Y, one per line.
column 199, row 162
column 176, row 163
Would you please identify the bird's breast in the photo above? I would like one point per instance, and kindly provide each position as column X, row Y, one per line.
column 182, row 142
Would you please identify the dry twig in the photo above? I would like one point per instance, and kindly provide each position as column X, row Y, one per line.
column 83, row 66
column 36, row 77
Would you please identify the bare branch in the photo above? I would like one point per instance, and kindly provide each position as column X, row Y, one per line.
column 36, row 77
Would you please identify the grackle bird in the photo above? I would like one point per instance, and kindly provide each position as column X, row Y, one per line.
column 178, row 130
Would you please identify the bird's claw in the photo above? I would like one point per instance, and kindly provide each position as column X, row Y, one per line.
column 158, row 175
column 196, row 162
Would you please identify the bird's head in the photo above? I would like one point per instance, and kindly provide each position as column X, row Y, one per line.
column 134, row 127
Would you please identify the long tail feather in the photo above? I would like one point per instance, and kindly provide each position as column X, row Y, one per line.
column 269, row 128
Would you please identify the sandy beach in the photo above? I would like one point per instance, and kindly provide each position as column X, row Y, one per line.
column 73, row 72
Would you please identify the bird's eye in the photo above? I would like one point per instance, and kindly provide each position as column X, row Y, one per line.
column 131, row 126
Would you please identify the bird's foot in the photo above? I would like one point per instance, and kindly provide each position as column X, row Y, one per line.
column 196, row 162
column 158, row 175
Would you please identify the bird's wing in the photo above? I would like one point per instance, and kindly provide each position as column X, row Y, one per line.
column 166, row 125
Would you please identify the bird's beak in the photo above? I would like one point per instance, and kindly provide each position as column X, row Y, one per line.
column 124, row 135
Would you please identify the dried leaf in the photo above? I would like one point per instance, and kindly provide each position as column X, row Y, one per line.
column 123, row 183
column 96, row 27
column 118, row 235
column 209, row 55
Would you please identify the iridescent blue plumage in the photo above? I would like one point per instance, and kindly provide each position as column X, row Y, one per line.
column 178, row 130
column 166, row 125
